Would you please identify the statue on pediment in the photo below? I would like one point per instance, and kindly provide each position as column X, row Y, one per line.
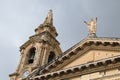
column 92, row 24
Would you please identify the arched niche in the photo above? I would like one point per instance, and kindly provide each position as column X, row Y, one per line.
column 31, row 55
column 51, row 56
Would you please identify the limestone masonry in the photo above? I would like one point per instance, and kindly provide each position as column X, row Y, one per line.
column 93, row 58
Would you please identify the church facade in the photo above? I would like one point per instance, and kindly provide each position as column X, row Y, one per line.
column 93, row 58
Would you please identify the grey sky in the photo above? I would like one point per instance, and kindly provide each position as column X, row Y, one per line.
column 19, row 18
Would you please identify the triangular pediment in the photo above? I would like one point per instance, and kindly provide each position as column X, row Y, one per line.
column 86, row 51
column 93, row 50
column 91, row 56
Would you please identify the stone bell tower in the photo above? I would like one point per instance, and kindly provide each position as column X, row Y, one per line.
column 39, row 50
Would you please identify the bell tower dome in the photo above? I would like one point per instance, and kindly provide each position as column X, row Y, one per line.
column 39, row 50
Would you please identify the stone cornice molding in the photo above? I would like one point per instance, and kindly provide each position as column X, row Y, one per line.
column 100, row 65
column 38, row 38
column 14, row 74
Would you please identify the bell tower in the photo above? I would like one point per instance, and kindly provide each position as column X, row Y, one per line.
column 39, row 50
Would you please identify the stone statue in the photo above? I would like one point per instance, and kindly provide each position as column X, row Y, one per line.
column 49, row 18
column 92, row 25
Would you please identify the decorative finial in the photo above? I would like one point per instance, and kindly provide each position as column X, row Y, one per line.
column 92, row 24
column 49, row 18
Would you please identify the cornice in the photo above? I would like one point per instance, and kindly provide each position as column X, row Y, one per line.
column 48, row 39
column 25, row 45
column 100, row 65
column 47, row 34
column 13, row 74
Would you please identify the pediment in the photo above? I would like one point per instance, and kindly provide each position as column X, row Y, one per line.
column 92, row 56
column 87, row 50
column 90, row 50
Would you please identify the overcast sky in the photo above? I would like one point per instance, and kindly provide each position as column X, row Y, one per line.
column 19, row 18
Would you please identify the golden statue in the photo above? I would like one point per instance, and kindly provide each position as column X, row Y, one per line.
column 92, row 25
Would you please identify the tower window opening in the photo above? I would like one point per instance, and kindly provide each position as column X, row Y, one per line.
column 51, row 56
column 31, row 56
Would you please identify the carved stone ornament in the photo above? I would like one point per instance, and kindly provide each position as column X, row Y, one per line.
column 49, row 18
column 92, row 24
